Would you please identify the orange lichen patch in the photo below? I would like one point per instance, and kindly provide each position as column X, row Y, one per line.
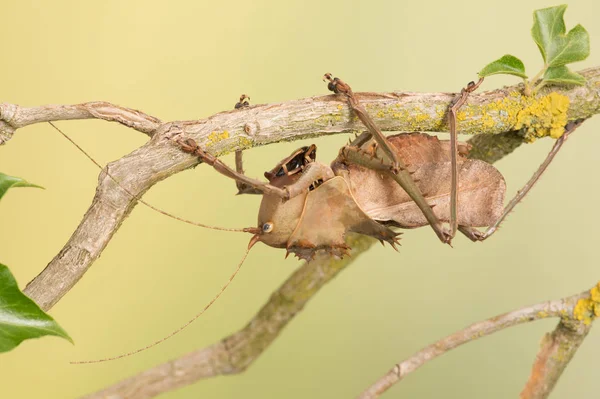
column 587, row 309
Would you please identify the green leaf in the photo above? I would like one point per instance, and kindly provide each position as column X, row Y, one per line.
column 562, row 75
column 7, row 182
column 20, row 317
column 558, row 47
column 508, row 64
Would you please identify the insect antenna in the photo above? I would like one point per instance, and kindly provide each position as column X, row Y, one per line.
column 177, row 331
column 138, row 198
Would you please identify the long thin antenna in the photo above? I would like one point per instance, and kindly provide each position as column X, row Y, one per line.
column 239, row 266
column 138, row 198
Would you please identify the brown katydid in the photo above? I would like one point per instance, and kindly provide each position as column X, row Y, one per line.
column 376, row 183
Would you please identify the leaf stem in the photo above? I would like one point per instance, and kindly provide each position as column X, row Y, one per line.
column 528, row 90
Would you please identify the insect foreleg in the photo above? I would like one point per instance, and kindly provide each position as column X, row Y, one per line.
column 313, row 176
column 190, row 146
column 476, row 235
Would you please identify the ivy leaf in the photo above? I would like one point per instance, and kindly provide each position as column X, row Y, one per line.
column 508, row 64
column 562, row 75
column 558, row 47
column 20, row 317
column 7, row 182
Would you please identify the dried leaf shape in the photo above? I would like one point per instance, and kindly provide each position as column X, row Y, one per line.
column 329, row 213
column 480, row 193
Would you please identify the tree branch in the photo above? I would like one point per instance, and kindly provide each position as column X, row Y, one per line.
column 13, row 116
column 557, row 349
column 235, row 353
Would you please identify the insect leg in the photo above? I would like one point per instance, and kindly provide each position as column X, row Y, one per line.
column 190, row 146
column 313, row 175
column 355, row 155
column 243, row 188
column 397, row 168
column 476, row 235
column 340, row 87
column 456, row 104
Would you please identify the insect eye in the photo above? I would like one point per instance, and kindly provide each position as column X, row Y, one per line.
column 267, row 227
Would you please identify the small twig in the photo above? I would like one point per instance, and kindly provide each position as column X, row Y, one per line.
column 562, row 308
column 16, row 116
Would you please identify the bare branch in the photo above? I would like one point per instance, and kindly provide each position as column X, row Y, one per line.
column 558, row 348
column 235, row 353
column 549, row 369
column 13, row 116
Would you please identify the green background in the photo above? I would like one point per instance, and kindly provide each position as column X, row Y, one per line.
column 190, row 59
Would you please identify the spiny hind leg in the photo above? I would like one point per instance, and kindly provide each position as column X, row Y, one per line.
column 477, row 235
column 368, row 159
column 393, row 164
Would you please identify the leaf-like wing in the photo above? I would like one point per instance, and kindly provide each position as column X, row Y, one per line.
column 330, row 212
column 20, row 317
column 480, row 192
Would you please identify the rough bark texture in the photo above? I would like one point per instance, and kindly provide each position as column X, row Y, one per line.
column 557, row 350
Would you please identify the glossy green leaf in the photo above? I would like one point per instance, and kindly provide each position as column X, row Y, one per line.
column 7, row 182
column 20, row 317
column 508, row 65
column 558, row 47
column 562, row 75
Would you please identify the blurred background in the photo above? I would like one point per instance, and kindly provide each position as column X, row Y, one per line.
column 190, row 59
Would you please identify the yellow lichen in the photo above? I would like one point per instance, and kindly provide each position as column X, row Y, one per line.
column 546, row 116
column 215, row 137
column 542, row 314
column 328, row 119
column 244, row 142
column 587, row 309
